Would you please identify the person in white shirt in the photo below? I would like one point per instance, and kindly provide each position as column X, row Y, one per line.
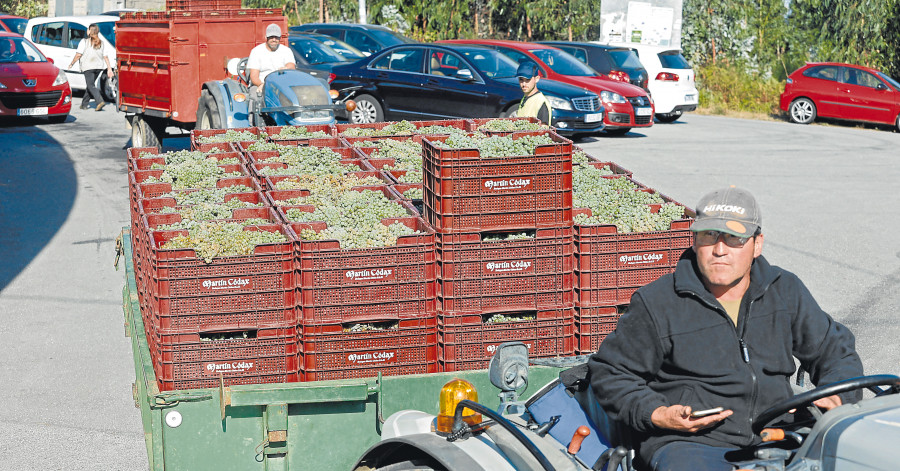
column 268, row 57
column 93, row 54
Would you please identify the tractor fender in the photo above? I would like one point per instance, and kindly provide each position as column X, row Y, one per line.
column 418, row 446
column 232, row 114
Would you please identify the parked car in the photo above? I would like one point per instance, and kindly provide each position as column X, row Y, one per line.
column 58, row 37
column 446, row 81
column 842, row 91
column 671, row 80
column 366, row 38
column 616, row 62
column 30, row 85
column 627, row 106
column 345, row 50
column 12, row 23
column 314, row 57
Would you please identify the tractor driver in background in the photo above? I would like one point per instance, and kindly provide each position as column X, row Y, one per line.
column 267, row 58
column 534, row 104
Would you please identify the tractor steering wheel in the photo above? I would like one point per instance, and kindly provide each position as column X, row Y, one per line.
column 807, row 398
column 242, row 71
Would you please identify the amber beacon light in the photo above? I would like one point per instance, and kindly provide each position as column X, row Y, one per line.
column 453, row 392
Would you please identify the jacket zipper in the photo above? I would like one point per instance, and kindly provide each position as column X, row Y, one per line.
column 745, row 355
column 745, row 352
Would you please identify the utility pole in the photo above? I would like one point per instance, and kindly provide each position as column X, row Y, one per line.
column 321, row 11
column 363, row 18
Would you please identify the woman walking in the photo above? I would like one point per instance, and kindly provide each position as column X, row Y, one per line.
column 93, row 55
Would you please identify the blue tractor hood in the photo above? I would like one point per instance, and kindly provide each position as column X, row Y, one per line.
column 292, row 97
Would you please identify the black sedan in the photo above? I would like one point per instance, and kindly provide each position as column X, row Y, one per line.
column 314, row 57
column 437, row 81
column 617, row 62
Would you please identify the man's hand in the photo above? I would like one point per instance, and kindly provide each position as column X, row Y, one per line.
column 679, row 418
column 829, row 402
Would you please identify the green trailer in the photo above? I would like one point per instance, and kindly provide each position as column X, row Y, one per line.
column 320, row 425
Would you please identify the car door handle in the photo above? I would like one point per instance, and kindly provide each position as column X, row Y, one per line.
column 432, row 81
column 381, row 75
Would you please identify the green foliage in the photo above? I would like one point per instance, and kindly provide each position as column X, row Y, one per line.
column 24, row 8
column 726, row 87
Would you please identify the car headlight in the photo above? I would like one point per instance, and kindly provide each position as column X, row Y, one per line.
column 60, row 78
column 612, row 97
column 559, row 103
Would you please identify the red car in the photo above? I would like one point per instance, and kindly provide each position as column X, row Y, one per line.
column 841, row 91
column 13, row 23
column 30, row 85
column 627, row 106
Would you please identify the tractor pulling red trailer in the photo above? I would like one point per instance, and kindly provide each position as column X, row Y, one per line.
column 185, row 68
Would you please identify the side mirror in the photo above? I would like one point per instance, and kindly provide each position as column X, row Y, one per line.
column 881, row 86
column 51, row 60
column 508, row 371
column 464, row 74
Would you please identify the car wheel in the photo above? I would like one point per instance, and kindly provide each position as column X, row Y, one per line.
column 668, row 117
column 898, row 123
column 142, row 134
column 109, row 88
column 802, row 111
column 510, row 112
column 368, row 110
column 208, row 113
column 617, row 131
column 58, row 118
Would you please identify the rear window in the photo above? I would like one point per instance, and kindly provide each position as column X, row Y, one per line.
column 824, row 72
column 628, row 58
column 16, row 25
column 673, row 60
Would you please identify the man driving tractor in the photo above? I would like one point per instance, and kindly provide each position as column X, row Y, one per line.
column 700, row 353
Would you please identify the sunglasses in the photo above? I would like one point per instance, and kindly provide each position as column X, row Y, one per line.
column 273, row 37
column 712, row 237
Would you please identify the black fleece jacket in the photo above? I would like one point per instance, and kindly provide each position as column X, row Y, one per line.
column 676, row 345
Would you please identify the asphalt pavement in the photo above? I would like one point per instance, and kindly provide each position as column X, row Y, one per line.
column 65, row 379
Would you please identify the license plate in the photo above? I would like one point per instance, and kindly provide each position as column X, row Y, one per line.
column 40, row 111
column 690, row 98
column 593, row 117
column 643, row 111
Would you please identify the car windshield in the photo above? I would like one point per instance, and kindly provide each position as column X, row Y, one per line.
column 491, row 63
column 673, row 60
column 347, row 51
column 16, row 25
column 889, row 80
column 390, row 38
column 314, row 52
column 108, row 30
column 563, row 63
column 19, row 50
column 625, row 58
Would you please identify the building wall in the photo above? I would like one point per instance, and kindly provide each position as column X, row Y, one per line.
column 95, row 7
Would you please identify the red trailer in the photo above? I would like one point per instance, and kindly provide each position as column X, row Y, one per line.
column 170, row 61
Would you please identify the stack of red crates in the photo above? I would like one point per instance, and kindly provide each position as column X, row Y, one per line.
column 611, row 266
column 232, row 320
column 360, row 311
column 512, row 289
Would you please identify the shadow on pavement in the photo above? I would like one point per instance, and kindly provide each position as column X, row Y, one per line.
column 37, row 191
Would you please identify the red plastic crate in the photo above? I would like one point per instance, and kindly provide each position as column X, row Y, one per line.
column 312, row 315
column 354, row 141
column 183, row 357
column 499, row 300
column 197, row 134
column 461, row 124
column 334, row 142
column 273, row 131
column 471, row 345
column 227, row 312
column 153, row 205
column 476, row 124
column 467, row 193
column 216, row 147
column 603, row 296
column 340, row 128
column 593, row 325
column 619, row 278
column 328, row 352
column 134, row 153
column 155, row 190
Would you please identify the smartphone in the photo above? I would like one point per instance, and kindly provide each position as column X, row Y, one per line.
column 704, row 413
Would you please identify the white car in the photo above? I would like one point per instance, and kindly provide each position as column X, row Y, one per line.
column 58, row 37
column 671, row 83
